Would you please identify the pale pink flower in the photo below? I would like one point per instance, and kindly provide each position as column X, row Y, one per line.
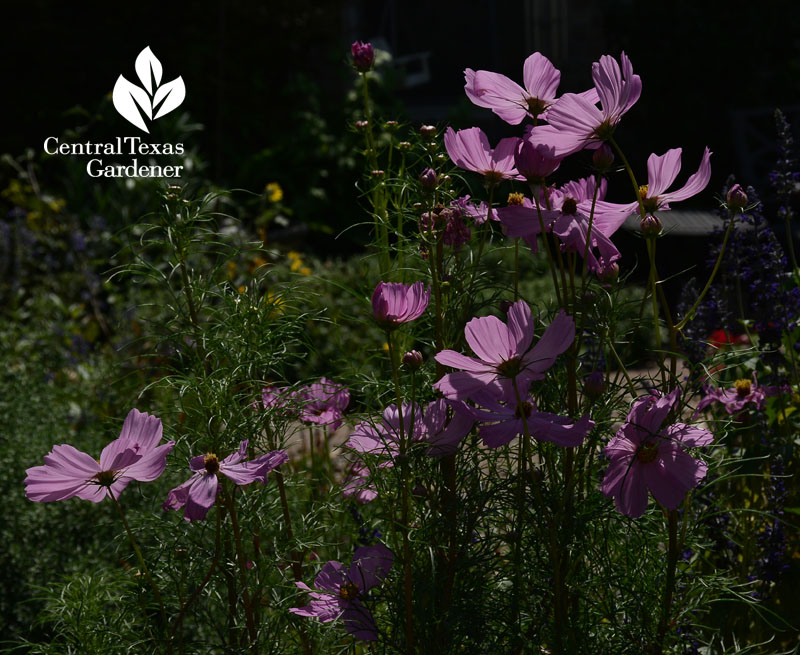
column 469, row 149
column 134, row 455
column 394, row 303
column 647, row 455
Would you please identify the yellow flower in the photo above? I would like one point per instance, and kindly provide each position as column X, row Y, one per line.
column 305, row 270
column 274, row 192
column 231, row 269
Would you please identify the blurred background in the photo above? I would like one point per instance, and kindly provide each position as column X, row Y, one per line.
column 270, row 84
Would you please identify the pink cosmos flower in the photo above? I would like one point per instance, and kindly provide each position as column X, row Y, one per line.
column 199, row 492
column 134, row 455
column 323, row 403
column 504, row 353
column 430, row 425
column 574, row 120
column 646, row 455
column 503, row 419
column 661, row 173
column 742, row 393
column 477, row 212
column 394, row 303
column 508, row 99
column 357, row 485
column 568, row 219
column 340, row 592
column 469, row 149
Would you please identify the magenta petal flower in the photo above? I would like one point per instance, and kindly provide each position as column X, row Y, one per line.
column 504, row 353
column 535, row 161
column 742, row 393
column 324, row 403
column 574, row 120
column 661, row 173
column 340, row 592
column 134, row 455
column 363, row 56
column 469, row 149
column 199, row 492
column 646, row 455
column 508, row 99
column 394, row 303
column 383, row 439
column 357, row 486
column 503, row 422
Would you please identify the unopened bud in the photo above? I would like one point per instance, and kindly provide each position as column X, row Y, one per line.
column 651, row 226
column 362, row 125
column 594, row 384
column 378, row 173
column 363, row 56
column 428, row 179
column 428, row 131
column 391, row 126
column 412, row 360
column 736, row 199
column 603, row 158
column 609, row 272
column 404, row 145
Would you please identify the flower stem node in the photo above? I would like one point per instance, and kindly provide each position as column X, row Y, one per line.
column 651, row 226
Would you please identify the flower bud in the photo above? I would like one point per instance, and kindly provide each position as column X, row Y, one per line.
column 391, row 126
column 608, row 272
column 603, row 158
column 428, row 179
column 535, row 161
column 736, row 199
column 412, row 360
column 428, row 131
column 363, row 56
column 378, row 173
column 362, row 125
column 650, row 226
column 404, row 145
column 594, row 384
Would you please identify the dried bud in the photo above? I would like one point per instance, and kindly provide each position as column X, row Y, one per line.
column 650, row 226
column 412, row 360
column 603, row 159
column 594, row 384
column 363, row 56
column 736, row 199
column 428, row 131
column 428, row 179
column 362, row 125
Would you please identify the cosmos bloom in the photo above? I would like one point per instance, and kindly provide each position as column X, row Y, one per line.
column 661, row 173
column 430, row 425
column 339, row 591
column 357, row 486
column 568, row 219
column 742, row 393
column 134, row 455
column 574, row 120
column 469, row 149
column 199, row 492
column 501, row 422
column 504, row 353
column 509, row 100
column 323, row 403
column 647, row 455
column 394, row 303
column 477, row 212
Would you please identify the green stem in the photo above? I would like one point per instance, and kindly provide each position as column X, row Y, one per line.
column 402, row 456
column 669, row 584
column 546, row 246
column 145, row 570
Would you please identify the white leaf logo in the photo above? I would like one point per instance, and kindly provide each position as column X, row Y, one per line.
column 132, row 101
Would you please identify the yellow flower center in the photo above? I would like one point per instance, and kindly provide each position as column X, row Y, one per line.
column 349, row 591
column 743, row 387
column 515, row 199
column 647, row 452
column 211, row 462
